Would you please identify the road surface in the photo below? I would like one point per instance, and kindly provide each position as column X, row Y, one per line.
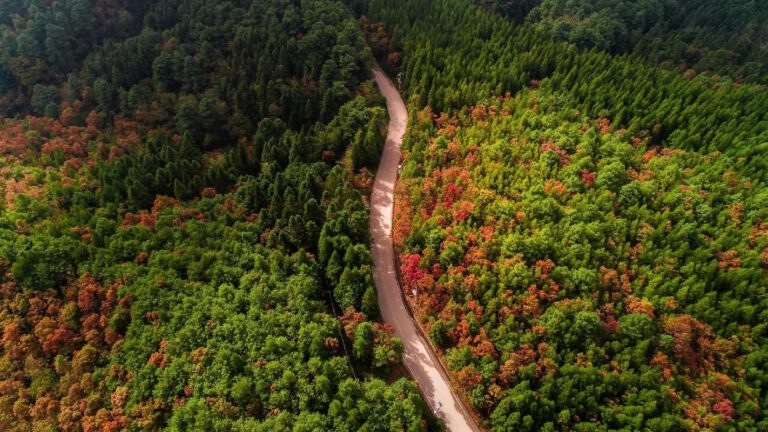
column 419, row 359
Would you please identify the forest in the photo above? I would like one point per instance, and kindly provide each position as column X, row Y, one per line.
column 581, row 217
column 585, row 232
column 485, row 56
column 563, row 253
column 727, row 38
column 183, row 229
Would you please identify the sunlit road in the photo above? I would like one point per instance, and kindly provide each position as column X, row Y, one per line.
column 418, row 357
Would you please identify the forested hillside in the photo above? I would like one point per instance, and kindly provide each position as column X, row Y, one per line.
column 483, row 55
column 584, row 232
column 725, row 37
column 581, row 219
column 577, row 275
column 183, row 215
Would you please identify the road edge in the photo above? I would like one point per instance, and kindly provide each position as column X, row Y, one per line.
column 433, row 352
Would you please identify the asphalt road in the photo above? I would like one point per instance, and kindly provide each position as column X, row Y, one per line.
column 418, row 357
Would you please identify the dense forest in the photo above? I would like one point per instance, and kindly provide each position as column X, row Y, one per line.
column 567, row 268
column 699, row 35
column 484, row 56
column 581, row 234
column 183, row 230
column 581, row 219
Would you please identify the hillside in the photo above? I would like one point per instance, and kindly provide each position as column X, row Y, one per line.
column 569, row 229
column 583, row 232
column 567, row 269
column 183, row 230
column 727, row 38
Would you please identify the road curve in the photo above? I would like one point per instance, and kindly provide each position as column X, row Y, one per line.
column 418, row 358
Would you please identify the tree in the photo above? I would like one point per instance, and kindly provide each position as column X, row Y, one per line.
column 105, row 95
column 369, row 303
column 42, row 262
column 367, row 144
column 362, row 346
column 45, row 100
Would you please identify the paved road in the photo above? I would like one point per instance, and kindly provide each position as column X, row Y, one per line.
column 418, row 357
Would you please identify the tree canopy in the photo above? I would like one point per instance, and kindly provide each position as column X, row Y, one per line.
column 183, row 226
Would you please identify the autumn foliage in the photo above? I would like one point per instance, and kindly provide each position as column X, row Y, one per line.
column 58, row 344
column 537, row 267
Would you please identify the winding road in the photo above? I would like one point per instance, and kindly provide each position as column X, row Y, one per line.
column 418, row 357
